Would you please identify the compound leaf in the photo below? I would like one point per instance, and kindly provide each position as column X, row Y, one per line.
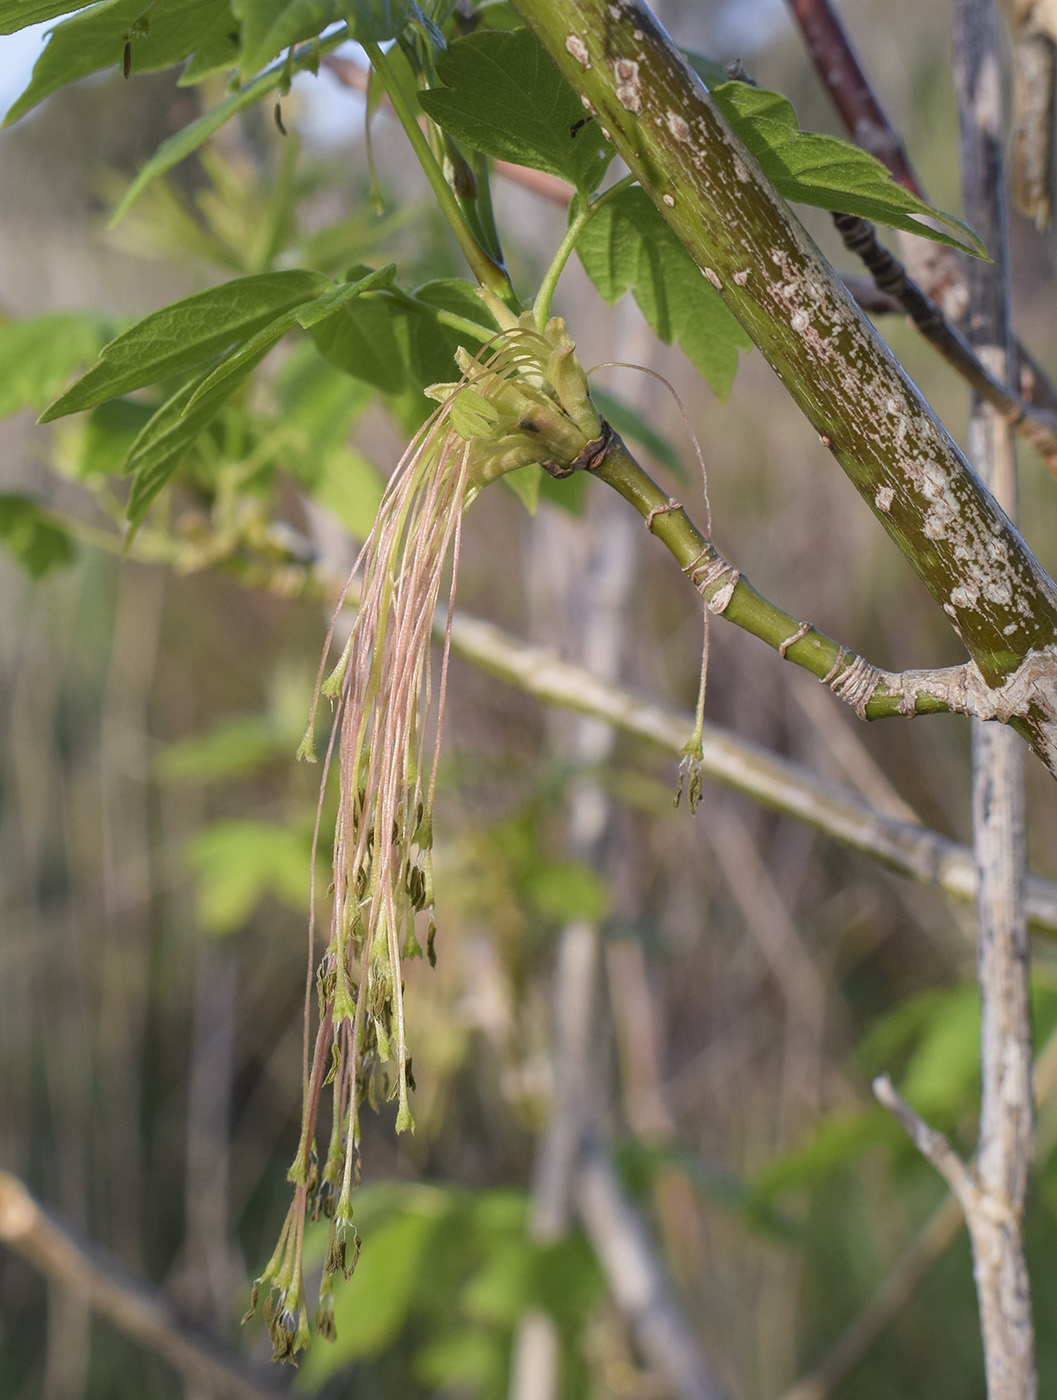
column 504, row 96
column 182, row 336
column 628, row 246
column 824, row 171
column 156, row 36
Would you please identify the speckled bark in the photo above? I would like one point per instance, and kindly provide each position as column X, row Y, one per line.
column 776, row 282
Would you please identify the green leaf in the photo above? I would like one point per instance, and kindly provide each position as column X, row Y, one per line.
column 305, row 315
column 159, row 35
column 170, row 433
column 568, row 494
column 361, row 340
column 182, row 336
column 526, row 484
column 107, row 436
column 238, row 862
column 233, row 748
column 371, row 1313
column 351, row 488
column 943, row 1072
column 377, row 21
column 432, row 343
column 318, row 406
column 466, row 1360
column 38, row 355
column 565, row 890
column 835, row 1143
column 177, row 147
column 627, row 246
column 28, row 533
column 504, row 96
column 20, row 14
column 824, row 171
column 268, row 27
column 711, row 73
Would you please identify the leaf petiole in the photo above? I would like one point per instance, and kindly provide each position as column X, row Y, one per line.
column 547, row 288
column 483, row 266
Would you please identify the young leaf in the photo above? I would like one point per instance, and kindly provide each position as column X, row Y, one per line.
column 503, row 96
column 20, row 14
column 238, row 862
column 431, row 342
column 361, row 340
column 303, row 315
column 268, row 27
column 808, row 168
column 160, row 35
column 38, row 355
column 184, row 143
column 182, row 336
column 377, row 21
column 628, row 246
column 168, row 435
column 31, row 537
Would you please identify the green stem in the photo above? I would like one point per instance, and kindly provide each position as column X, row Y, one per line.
column 726, row 591
column 483, row 266
column 473, row 330
column 545, row 295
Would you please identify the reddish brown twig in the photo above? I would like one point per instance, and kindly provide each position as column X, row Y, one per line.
column 842, row 77
column 935, row 269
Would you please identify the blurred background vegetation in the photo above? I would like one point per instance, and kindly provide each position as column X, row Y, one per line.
column 155, row 830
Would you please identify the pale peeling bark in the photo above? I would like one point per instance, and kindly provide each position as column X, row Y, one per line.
column 1005, row 1146
column 852, row 390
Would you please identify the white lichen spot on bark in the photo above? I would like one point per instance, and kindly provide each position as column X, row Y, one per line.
column 997, row 590
column 713, row 277
column 741, row 170
column 801, row 320
column 932, row 481
column 937, row 520
column 605, row 132
column 883, row 498
column 677, row 126
column 667, row 199
column 614, row 12
column 637, row 35
column 628, row 86
column 576, row 46
column 741, row 277
column 964, row 595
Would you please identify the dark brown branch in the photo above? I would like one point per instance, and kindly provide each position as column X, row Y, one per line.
column 1037, row 427
column 842, row 77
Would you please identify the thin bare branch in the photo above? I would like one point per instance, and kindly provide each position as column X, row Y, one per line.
column 932, row 1144
column 932, row 1241
column 779, row 783
column 1006, row 1137
column 622, row 1244
column 127, row 1303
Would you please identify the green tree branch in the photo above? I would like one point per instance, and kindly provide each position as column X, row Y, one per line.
column 867, row 412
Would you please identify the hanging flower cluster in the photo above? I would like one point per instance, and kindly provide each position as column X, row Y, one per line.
column 523, row 399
